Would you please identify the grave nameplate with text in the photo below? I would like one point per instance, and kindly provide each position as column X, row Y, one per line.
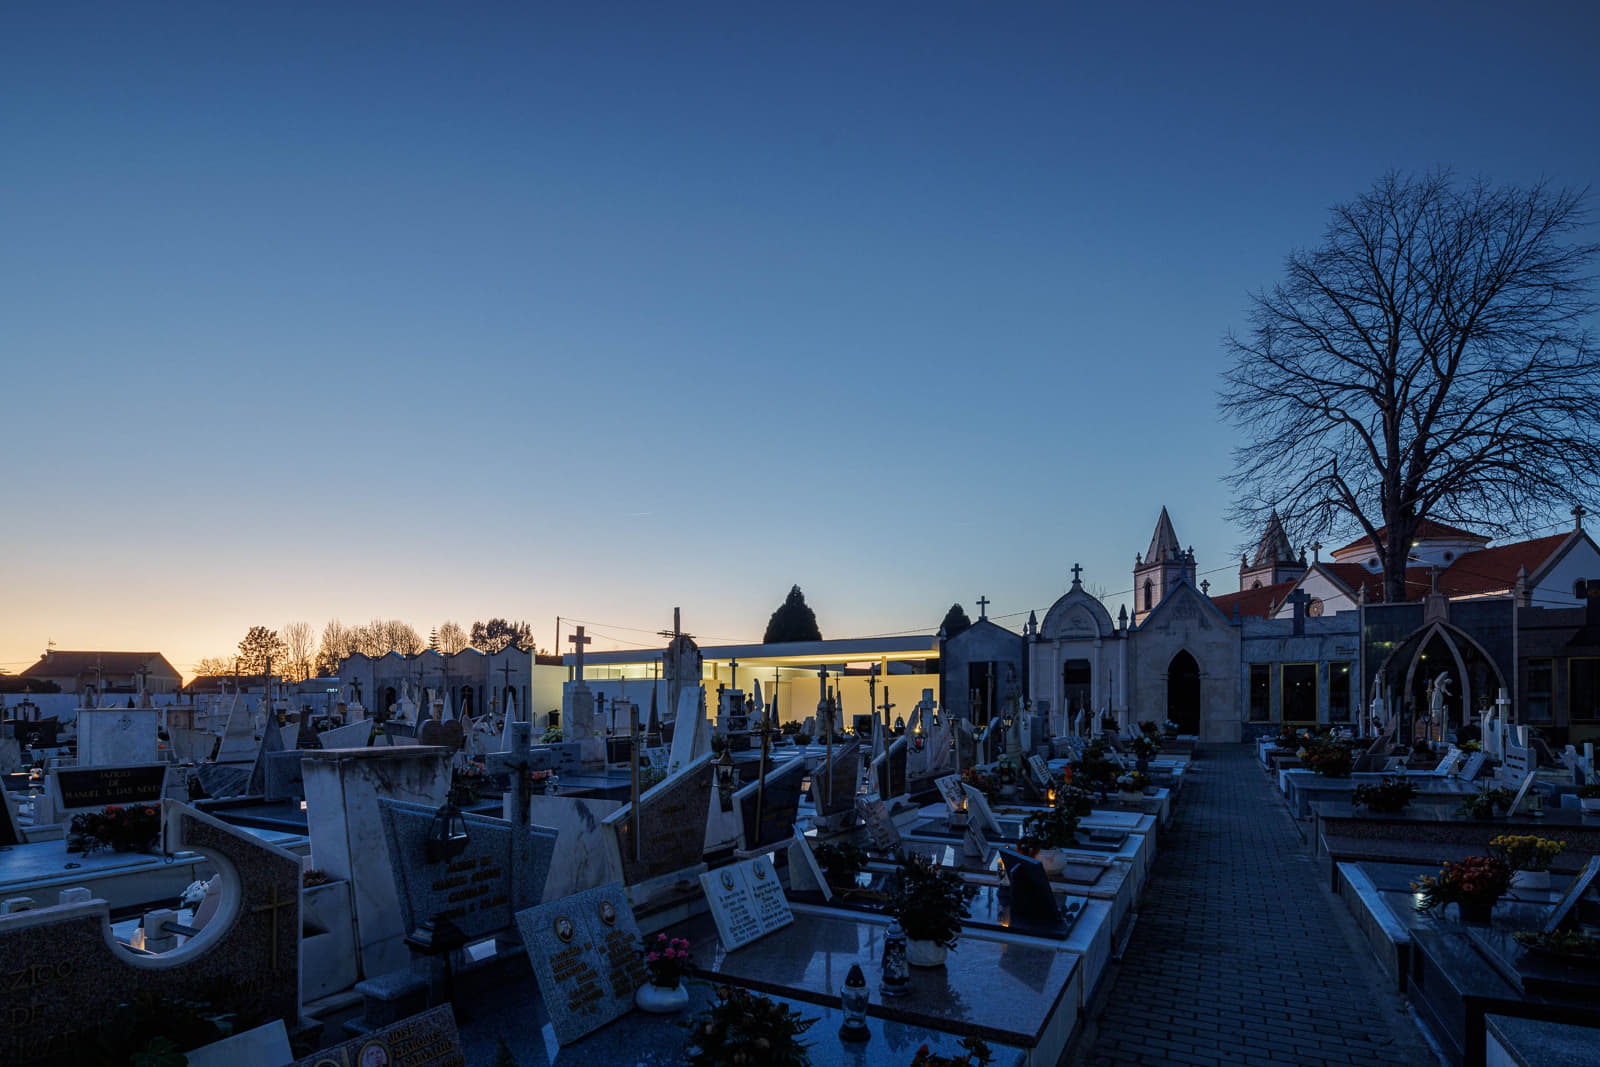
column 429, row 1039
column 747, row 901
column 89, row 788
column 584, row 951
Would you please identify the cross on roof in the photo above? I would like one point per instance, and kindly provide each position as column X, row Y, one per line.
column 1077, row 574
column 580, row 640
column 983, row 604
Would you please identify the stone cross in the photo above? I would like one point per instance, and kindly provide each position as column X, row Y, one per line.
column 518, row 762
column 1077, row 574
column 579, row 640
column 886, row 707
column 983, row 606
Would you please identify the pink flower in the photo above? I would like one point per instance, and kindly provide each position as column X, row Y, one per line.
column 653, row 957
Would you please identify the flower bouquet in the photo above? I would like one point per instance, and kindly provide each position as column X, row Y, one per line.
column 976, row 1054
column 124, row 829
column 746, row 1029
column 1473, row 885
column 1328, row 758
column 1487, row 802
column 1529, row 855
column 468, row 783
column 1388, row 797
column 1145, row 746
column 841, row 862
column 1134, row 782
column 539, row 781
column 667, row 959
column 984, row 783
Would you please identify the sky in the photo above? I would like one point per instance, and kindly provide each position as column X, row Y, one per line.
column 433, row 312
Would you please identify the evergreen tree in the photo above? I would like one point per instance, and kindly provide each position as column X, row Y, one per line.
column 955, row 620
column 793, row 621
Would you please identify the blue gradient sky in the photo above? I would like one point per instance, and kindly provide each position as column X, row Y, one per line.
column 441, row 312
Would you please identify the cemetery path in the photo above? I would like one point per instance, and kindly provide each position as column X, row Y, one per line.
column 1242, row 954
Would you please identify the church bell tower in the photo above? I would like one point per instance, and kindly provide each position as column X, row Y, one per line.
column 1159, row 570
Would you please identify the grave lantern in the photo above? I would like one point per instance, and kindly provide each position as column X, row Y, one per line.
column 853, row 999
column 447, row 834
column 725, row 778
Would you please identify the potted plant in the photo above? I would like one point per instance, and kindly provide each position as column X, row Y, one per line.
column 982, row 781
column 802, row 738
column 123, row 829
column 1094, row 770
column 1328, row 758
column 745, row 1029
column 540, row 782
column 1046, row 833
column 1473, row 885
column 1007, row 772
column 930, row 902
column 467, row 784
column 1487, row 802
column 1589, row 798
column 1387, row 797
column 1529, row 855
column 1170, row 728
column 1132, row 785
column 841, row 862
column 667, row 961
column 1145, row 748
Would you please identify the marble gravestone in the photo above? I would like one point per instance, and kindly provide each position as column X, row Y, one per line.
column 672, row 826
column 238, row 737
column 580, row 860
column 64, row 969
column 428, row 1039
column 881, row 830
column 978, row 804
column 767, row 810
column 501, row 871
column 585, row 955
column 342, row 787
column 117, row 736
column 271, row 741
column 951, row 792
column 10, row 831
column 691, row 733
column 746, row 900
column 805, row 873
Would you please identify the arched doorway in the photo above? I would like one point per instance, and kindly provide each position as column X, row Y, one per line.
column 1077, row 685
column 467, row 711
column 1183, row 693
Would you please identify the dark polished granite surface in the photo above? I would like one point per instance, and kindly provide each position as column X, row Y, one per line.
column 1003, row 992
column 1534, row 1043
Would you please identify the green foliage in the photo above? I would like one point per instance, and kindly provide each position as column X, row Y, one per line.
column 552, row 735
column 494, row 635
column 1485, row 803
column 744, row 1029
column 793, row 621
column 977, row 1054
column 1146, row 746
column 1053, row 828
column 259, row 648
column 930, row 901
column 841, row 861
column 955, row 621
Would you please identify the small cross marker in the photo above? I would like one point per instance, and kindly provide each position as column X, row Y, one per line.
column 983, row 604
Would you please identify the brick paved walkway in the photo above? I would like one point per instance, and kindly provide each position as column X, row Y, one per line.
column 1242, row 955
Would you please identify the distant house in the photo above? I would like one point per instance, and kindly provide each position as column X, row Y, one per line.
column 91, row 674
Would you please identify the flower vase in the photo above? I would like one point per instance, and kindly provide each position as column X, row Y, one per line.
column 1534, row 880
column 661, row 1000
column 1008, row 792
column 1476, row 913
column 1053, row 860
column 925, row 953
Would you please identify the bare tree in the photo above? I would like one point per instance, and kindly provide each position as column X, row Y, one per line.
column 336, row 644
column 402, row 637
column 260, row 649
column 301, row 641
column 452, row 638
column 1429, row 360
column 213, row 666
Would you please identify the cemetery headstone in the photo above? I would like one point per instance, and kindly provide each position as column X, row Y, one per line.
column 271, row 741
column 889, row 771
column 881, row 830
column 955, row 797
column 767, row 809
column 1522, row 793
column 116, row 736
column 10, row 831
column 501, row 871
column 1032, row 899
column 671, row 825
column 746, row 900
column 75, row 789
column 841, row 795
column 1569, row 900
column 584, row 951
column 807, row 873
column 978, row 804
column 1474, row 766
column 429, row 1039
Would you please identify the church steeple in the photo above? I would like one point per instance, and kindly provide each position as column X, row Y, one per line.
column 1275, row 559
column 1159, row 570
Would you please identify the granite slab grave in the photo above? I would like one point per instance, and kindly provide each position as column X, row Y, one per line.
column 767, row 810
column 66, row 970
column 584, row 951
column 889, row 770
column 271, row 742
column 1022, row 994
column 671, row 826
column 840, row 797
column 882, row 832
column 429, row 1039
column 502, row 870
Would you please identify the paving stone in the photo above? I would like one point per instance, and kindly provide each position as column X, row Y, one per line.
column 1241, row 953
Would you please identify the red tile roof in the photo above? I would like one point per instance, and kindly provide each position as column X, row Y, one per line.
column 1427, row 529
column 64, row 664
column 1492, row 570
column 1253, row 603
